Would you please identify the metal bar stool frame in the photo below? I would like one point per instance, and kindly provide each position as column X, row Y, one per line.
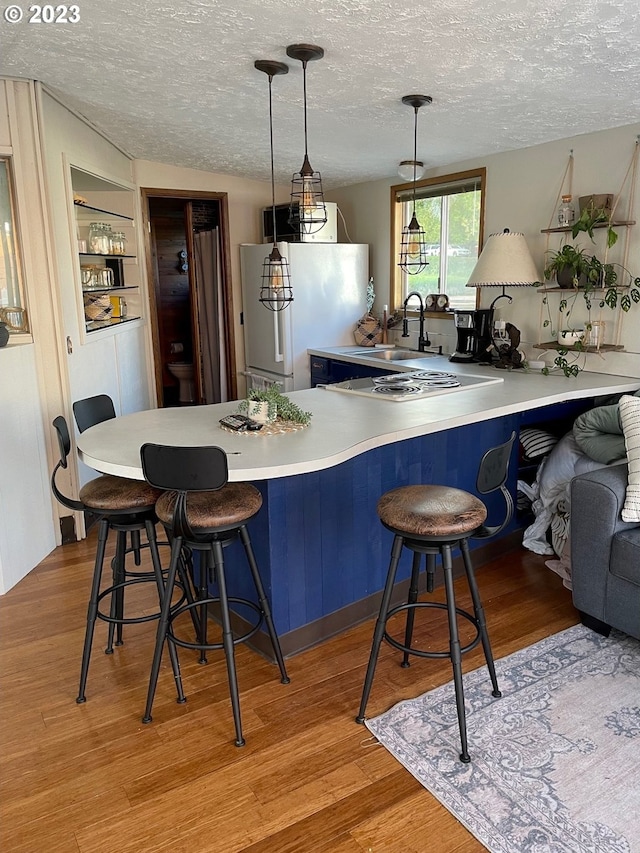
column 122, row 522
column 88, row 412
column 492, row 476
column 185, row 471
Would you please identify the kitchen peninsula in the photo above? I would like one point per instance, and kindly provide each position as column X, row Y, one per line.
column 322, row 551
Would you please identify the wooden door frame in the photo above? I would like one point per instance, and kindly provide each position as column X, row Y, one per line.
column 227, row 285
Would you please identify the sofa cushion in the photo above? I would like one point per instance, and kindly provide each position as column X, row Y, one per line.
column 630, row 417
column 625, row 555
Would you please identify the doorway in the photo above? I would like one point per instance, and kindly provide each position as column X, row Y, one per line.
column 190, row 296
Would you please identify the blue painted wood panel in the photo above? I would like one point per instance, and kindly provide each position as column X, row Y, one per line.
column 318, row 540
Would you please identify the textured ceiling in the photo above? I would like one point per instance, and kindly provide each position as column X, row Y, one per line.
column 175, row 82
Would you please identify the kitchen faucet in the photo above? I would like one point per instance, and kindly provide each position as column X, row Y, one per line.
column 423, row 339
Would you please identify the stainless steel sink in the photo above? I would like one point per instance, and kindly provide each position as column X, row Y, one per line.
column 394, row 354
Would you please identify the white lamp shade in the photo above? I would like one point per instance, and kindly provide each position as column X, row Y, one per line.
column 505, row 261
column 405, row 169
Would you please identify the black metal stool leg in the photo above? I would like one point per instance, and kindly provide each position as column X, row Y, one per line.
column 161, row 634
column 411, row 611
column 480, row 617
column 454, row 649
column 92, row 609
column 431, row 571
column 119, row 575
column 264, row 603
column 157, row 571
column 206, row 567
column 381, row 622
column 135, row 546
column 227, row 641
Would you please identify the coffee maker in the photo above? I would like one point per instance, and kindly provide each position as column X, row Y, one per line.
column 474, row 331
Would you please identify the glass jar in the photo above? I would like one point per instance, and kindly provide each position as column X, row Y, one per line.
column 566, row 212
column 118, row 243
column 99, row 238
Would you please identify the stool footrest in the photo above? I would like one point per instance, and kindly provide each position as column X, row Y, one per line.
column 185, row 644
column 438, row 606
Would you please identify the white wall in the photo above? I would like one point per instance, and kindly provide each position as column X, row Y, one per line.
column 112, row 361
column 522, row 187
column 29, row 367
column 245, row 199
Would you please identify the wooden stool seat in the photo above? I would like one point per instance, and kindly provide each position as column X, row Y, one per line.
column 118, row 494
column 431, row 511
column 229, row 506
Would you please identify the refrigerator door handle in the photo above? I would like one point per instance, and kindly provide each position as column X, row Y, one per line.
column 277, row 354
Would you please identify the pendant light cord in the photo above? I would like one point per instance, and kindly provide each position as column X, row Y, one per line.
column 273, row 183
column 415, row 154
column 304, row 97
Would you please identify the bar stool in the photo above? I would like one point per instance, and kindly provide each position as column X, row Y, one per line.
column 431, row 520
column 126, row 506
column 87, row 413
column 202, row 510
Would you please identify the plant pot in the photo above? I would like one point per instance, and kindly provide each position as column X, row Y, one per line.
column 603, row 201
column 565, row 279
column 258, row 410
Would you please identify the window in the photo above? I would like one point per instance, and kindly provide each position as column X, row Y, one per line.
column 450, row 212
column 12, row 310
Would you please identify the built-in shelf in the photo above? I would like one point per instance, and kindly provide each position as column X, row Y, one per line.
column 96, row 255
column 82, row 209
column 569, row 228
column 95, row 325
column 103, row 196
column 558, row 346
column 109, row 289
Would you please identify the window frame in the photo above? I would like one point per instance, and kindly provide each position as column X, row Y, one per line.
column 396, row 274
column 23, row 333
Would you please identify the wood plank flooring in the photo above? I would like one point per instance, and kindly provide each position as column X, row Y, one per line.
column 93, row 779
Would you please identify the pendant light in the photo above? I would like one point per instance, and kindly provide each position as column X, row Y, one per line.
column 413, row 249
column 307, row 201
column 275, row 290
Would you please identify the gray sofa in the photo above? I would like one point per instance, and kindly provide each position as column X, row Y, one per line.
column 605, row 553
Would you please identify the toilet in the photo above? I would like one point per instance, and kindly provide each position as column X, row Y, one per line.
column 183, row 372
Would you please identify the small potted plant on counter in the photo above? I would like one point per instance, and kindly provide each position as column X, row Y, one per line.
column 277, row 406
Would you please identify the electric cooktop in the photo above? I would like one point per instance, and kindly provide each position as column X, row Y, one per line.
column 400, row 387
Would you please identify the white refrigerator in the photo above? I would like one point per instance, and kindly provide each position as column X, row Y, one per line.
column 329, row 284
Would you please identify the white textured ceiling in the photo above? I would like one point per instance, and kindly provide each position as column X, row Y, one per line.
column 175, row 82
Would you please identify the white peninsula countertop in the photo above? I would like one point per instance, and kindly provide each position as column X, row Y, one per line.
column 343, row 425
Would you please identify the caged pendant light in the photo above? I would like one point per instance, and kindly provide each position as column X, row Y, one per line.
column 307, row 201
column 275, row 289
column 413, row 249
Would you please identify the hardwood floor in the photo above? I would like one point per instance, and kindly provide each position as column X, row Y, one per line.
column 93, row 779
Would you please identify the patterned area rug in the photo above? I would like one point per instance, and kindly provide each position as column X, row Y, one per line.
column 555, row 763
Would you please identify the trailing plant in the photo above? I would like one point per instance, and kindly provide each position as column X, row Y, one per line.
column 278, row 406
column 591, row 217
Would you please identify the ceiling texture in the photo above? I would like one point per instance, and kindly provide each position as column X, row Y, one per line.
column 175, row 82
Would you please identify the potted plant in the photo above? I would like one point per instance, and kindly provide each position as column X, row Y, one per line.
column 278, row 406
column 570, row 266
column 594, row 211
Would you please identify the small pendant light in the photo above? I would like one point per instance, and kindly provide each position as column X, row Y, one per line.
column 275, row 290
column 413, row 249
column 307, row 201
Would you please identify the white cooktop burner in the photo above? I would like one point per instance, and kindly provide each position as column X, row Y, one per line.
column 411, row 386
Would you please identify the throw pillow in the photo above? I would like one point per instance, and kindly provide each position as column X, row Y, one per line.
column 536, row 442
column 630, row 417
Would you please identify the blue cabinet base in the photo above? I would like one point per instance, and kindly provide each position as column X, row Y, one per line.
column 319, row 544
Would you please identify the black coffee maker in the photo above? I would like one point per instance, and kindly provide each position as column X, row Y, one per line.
column 474, row 331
